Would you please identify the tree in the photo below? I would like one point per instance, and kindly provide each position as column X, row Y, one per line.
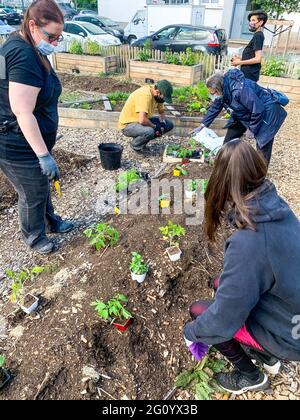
column 276, row 8
column 86, row 4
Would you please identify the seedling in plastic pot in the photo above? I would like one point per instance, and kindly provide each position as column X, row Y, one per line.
column 171, row 234
column 126, row 178
column 5, row 376
column 138, row 268
column 164, row 202
column 102, row 235
column 179, row 170
column 114, row 312
column 192, row 187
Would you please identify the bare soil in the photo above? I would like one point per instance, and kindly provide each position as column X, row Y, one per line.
column 141, row 362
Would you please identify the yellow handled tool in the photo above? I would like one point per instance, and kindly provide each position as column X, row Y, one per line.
column 57, row 188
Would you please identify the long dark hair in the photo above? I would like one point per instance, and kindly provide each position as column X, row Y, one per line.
column 239, row 170
column 41, row 12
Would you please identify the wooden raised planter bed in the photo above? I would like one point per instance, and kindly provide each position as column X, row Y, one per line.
column 90, row 65
column 291, row 87
column 81, row 118
column 177, row 75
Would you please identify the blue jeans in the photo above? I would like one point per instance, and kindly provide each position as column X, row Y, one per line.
column 34, row 200
column 142, row 134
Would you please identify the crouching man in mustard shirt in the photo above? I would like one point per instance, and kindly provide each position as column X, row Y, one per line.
column 136, row 119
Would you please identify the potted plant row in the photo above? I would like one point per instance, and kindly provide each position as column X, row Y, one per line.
column 113, row 311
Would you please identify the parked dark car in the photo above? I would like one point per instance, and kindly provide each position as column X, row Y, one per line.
column 178, row 38
column 67, row 11
column 104, row 23
column 10, row 16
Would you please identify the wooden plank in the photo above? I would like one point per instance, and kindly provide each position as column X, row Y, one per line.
column 172, row 110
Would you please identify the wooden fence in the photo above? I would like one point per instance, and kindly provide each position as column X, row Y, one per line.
column 124, row 53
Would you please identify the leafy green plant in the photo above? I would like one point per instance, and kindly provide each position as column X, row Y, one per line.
column 137, row 265
column 204, row 185
column 193, row 185
column 189, row 58
column 181, row 169
column 20, row 278
column 102, row 235
column 184, row 153
column 2, row 361
column 93, row 48
column 85, row 105
column 274, row 67
column 146, row 53
column 171, row 58
column 200, row 378
column 113, row 308
column 171, row 233
column 118, row 96
column 75, row 47
column 126, row 178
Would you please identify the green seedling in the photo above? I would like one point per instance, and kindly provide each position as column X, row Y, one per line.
column 171, row 233
column 2, row 361
column 204, row 184
column 137, row 265
column 193, row 185
column 181, row 170
column 20, row 278
column 126, row 178
column 113, row 308
column 102, row 235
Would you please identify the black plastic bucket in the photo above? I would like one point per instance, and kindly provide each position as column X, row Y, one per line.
column 110, row 155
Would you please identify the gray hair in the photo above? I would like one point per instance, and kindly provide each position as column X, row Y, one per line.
column 216, row 82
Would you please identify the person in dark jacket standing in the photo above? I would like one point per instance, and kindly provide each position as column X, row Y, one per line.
column 29, row 92
column 257, row 303
column 252, row 55
column 252, row 108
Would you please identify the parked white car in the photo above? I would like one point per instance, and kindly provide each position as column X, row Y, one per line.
column 85, row 30
column 5, row 29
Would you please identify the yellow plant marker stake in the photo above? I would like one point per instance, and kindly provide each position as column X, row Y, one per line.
column 117, row 211
column 57, row 189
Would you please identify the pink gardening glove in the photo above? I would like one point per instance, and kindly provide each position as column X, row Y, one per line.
column 198, row 350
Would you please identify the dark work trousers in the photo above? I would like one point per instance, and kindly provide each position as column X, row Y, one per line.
column 237, row 130
column 232, row 349
column 34, row 200
column 142, row 134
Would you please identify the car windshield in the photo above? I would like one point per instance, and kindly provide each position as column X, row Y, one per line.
column 108, row 22
column 1, row 23
column 93, row 29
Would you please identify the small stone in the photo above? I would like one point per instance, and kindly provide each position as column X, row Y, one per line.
column 83, row 339
column 17, row 332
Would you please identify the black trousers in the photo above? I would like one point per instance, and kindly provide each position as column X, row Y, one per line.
column 237, row 130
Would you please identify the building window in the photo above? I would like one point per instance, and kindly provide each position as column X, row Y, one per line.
column 210, row 2
column 151, row 2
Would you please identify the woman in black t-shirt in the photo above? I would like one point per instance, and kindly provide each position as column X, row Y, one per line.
column 252, row 55
column 29, row 91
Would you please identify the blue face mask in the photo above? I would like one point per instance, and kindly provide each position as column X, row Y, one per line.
column 45, row 48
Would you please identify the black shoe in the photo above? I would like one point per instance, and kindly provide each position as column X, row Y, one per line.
column 44, row 247
column 237, row 383
column 63, row 227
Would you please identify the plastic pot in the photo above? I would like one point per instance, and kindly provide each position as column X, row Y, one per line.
column 122, row 325
column 110, row 155
column 32, row 306
column 174, row 253
column 164, row 204
column 140, row 278
column 190, row 194
column 5, row 378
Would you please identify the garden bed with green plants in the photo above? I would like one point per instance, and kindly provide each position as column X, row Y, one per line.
column 106, row 334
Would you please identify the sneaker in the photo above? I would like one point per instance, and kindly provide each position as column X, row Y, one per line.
column 142, row 150
column 236, row 383
column 44, row 247
column 63, row 227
